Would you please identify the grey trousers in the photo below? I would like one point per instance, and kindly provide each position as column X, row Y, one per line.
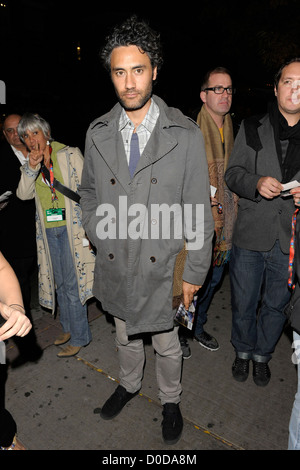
column 168, row 362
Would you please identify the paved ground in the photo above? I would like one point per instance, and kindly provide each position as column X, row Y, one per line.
column 56, row 401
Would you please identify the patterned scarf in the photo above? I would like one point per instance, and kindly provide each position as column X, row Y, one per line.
column 217, row 158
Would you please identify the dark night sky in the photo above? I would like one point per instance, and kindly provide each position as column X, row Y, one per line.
column 40, row 68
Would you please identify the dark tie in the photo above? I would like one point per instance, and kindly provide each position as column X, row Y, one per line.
column 134, row 154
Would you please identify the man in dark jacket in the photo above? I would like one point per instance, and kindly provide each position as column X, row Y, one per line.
column 136, row 257
column 265, row 156
column 17, row 228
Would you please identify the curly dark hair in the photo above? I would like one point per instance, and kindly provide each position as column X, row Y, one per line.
column 134, row 32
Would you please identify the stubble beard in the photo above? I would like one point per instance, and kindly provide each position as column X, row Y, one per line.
column 139, row 104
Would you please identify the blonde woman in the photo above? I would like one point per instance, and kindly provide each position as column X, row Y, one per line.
column 16, row 324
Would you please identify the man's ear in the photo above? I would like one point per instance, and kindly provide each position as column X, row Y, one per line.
column 154, row 74
column 203, row 96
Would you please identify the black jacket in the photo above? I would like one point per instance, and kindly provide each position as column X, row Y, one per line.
column 17, row 219
column 260, row 221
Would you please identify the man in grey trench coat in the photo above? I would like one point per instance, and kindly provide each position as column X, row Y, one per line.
column 133, row 219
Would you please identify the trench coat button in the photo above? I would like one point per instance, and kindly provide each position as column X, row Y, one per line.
column 152, row 259
column 111, row 256
column 113, row 181
column 154, row 181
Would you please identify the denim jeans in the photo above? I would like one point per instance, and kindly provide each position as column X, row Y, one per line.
column 258, row 277
column 294, row 427
column 205, row 295
column 73, row 315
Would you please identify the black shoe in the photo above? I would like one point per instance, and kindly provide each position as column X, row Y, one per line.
column 116, row 402
column 185, row 348
column 207, row 341
column 172, row 423
column 240, row 369
column 261, row 373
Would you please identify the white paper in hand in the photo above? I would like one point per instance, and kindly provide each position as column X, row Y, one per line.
column 288, row 186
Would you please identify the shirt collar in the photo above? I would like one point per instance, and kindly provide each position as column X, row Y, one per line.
column 149, row 120
column 20, row 155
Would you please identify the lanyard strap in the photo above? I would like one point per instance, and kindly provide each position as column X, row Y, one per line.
column 59, row 186
column 292, row 251
column 53, row 193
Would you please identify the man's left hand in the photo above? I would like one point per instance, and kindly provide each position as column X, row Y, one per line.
column 189, row 290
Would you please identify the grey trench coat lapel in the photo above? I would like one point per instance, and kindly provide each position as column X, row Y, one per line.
column 113, row 153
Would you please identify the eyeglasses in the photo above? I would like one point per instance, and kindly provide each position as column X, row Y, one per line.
column 219, row 90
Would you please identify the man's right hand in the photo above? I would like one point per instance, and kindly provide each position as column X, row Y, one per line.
column 269, row 187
